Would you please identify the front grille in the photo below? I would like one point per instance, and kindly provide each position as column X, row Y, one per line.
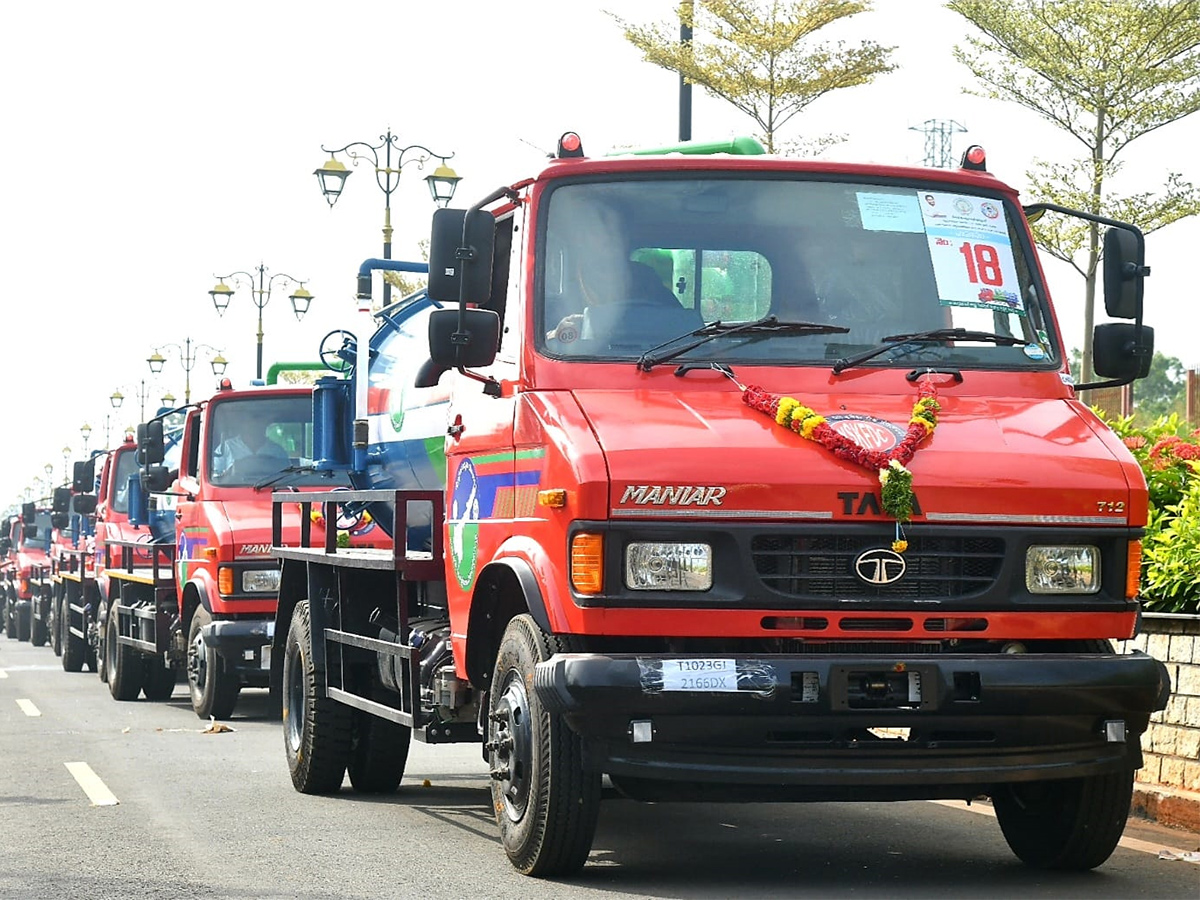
column 812, row 566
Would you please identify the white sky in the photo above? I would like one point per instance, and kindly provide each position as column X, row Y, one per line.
column 148, row 146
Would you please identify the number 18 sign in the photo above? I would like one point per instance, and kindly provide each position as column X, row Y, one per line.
column 971, row 252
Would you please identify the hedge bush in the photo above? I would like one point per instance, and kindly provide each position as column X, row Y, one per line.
column 1169, row 453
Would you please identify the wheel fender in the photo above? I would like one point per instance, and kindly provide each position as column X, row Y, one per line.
column 511, row 584
column 539, row 578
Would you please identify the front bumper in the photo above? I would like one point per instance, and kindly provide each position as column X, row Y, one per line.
column 245, row 644
column 847, row 727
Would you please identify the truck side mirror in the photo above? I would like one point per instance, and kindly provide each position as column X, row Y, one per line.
column 5, row 546
column 28, row 513
column 150, row 449
column 1122, row 350
column 474, row 348
column 83, row 476
column 447, row 269
column 156, row 479
column 60, row 501
column 30, row 532
column 84, row 504
column 59, row 520
column 1124, row 274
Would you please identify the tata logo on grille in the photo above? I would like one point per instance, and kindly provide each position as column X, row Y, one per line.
column 880, row 566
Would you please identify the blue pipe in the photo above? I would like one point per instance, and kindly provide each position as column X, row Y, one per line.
column 393, row 265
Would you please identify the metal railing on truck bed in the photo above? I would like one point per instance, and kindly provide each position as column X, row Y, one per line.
column 346, row 646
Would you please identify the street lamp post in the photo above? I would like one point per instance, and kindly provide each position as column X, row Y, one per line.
column 141, row 390
column 66, row 452
column 333, row 174
column 188, row 354
column 49, row 472
column 261, row 296
column 85, row 431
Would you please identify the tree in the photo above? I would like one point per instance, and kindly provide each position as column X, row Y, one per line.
column 1162, row 391
column 757, row 56
column 1107, row 73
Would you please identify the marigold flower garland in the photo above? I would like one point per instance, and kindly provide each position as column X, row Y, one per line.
column 896, row 493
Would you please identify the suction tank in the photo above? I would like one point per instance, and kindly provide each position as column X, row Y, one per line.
column 406, row 425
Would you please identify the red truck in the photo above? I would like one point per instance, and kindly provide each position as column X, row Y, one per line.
column 187, row 583
column 743, row 478
column 28, row 544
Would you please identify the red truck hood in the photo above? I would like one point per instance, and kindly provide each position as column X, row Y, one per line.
column 249, row 523
column 1007, row 460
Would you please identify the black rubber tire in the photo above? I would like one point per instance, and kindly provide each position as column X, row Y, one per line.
column 24, row 622
column 158, row 681
column 39, row 633
column 72, row 646
column 378, row 753
column 316, row 728
column 1072, row 825
column 126, row 667
column 546, row 804
column 99, row 652
column 55, row 613
column 214, row 689
column 10, row 613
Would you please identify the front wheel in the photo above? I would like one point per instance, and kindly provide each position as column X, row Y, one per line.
column 213, row 687
column 124, row 665
column 72, row 647
column 56, row 606
column 1073, row 824
column 38, row 631
column 546, row 803
column 158, row 682
column 24, row 621
column 316, row 728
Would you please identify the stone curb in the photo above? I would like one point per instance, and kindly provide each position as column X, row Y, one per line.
column 1173, row 807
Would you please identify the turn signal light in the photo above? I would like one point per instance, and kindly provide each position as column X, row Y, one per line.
column 1133, row 570
column 225, row 580
column 587, row 563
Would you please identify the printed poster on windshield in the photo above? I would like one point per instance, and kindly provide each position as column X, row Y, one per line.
column 971, row 251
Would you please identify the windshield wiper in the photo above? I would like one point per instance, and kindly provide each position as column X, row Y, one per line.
column 891, row 341
column 765, row 325
column 279, row 476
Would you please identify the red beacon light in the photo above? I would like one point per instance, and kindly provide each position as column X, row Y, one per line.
column 570, row 146
column 974, row 159
column 225, row 385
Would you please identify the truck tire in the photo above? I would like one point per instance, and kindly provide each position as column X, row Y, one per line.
column 546, row 803
column 316, row 728
column 10, row 620
column 378, row 753
column 214, row 688
column 158, row 681
column 24, row 619
column 55, row 615
column 38, row 632
column 72, row 646
column 1073, row 824
column 125, row 665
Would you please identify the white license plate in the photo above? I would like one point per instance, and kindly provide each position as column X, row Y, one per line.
column 708, row 675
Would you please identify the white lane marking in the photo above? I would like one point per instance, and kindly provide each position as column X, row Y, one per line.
column 27, row 707
column 3, row 674
column 96, row 789
column 1129, row 843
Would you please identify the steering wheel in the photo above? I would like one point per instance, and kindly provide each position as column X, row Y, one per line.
column 338, row 358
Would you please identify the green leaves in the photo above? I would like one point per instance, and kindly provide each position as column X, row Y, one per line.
column 761, row 56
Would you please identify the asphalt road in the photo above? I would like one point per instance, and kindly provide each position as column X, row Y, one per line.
column 190, row 814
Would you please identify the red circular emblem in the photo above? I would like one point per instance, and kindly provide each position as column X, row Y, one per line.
column 866, row 431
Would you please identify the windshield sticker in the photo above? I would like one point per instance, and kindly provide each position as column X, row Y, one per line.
column 971, row 252
column 889, row 212
column 1034, row 351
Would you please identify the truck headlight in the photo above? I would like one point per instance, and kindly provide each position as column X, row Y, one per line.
column 1070, row 569
column 260, row 581
column 668, row 567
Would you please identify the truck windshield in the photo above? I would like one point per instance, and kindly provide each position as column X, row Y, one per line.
column 37, row 535
column 253, row 438
column 126, row 466
column 630, row 264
